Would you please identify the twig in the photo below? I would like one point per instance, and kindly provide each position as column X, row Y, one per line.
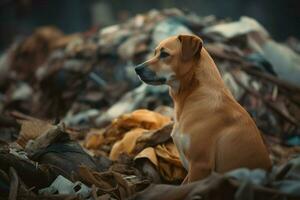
column 14, row 184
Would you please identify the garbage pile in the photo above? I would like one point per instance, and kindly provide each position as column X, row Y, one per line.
column 76, row 122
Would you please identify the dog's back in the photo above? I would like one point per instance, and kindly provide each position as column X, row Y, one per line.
column 240, row 144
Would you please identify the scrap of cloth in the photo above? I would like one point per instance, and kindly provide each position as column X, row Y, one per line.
column 285, row 179
column 125, row 131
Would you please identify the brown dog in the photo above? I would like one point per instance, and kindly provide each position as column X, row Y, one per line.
column 212, row 131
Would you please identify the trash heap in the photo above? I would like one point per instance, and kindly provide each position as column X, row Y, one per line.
column 76, row 122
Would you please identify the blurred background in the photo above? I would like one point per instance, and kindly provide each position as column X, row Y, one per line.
column 19, row 17
column 85, row 78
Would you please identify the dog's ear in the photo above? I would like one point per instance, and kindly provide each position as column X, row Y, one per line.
column 190, row 46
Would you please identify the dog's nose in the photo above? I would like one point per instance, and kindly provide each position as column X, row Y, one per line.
column 139, row 69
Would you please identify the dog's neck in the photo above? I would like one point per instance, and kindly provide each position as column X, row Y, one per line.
column 204, row 76
column 182, row 88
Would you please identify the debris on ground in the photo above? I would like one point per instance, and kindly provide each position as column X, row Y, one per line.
column 76, row 122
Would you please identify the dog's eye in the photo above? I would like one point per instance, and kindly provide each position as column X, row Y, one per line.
column 164, row 54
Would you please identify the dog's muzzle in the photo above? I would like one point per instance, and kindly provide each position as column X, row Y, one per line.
column 149, row 76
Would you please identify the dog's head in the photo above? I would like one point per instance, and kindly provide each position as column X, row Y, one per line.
column 173, row 58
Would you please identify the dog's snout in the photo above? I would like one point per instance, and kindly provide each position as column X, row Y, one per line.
column 148, row 76
column 139, row 69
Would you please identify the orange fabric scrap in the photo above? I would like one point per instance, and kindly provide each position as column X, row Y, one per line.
column 123, row 133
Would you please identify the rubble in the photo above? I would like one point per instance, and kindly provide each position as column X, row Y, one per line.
column 76, row 123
